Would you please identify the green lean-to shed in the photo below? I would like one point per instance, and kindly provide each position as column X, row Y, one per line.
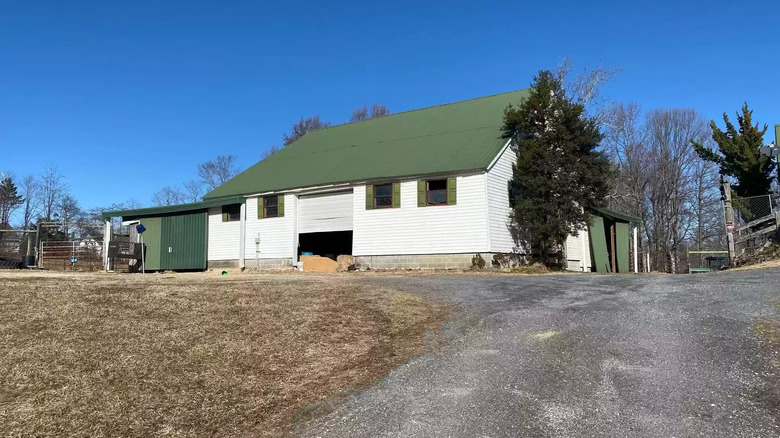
column 176, row 236
column 175, row 241
column 610, row 242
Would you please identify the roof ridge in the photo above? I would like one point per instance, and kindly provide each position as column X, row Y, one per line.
column 420, row 109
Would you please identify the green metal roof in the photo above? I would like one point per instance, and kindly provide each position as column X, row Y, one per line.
column 157, row 211
column 451, row 138
column 617, row 216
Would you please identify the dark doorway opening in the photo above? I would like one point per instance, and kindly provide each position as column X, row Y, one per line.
column 328, row 244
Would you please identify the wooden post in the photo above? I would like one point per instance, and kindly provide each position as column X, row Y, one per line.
column 612, row 240
column 636, row 251
column 729, row 210
column 38, row 244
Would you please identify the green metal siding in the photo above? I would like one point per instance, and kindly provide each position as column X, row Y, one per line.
column 183, row 241
column 152, row 237
column 598, row 244
column 621, row 241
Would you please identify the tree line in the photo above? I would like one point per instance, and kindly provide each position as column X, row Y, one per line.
column 663, row 166
column 37, row 198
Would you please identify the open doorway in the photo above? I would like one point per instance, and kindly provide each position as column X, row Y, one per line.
column 330, row 244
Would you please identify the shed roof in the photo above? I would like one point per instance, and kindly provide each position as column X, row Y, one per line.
column 168, row 209
column 451, row 138
column 617, row 216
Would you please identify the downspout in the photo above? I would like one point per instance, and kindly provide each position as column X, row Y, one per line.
column 242, row 237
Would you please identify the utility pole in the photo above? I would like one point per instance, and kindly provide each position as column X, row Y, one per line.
column 729, row 210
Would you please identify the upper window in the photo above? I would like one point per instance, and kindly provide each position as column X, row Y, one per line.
column 383, row 196
column 231, row 213
column 271, row 206
column 436, row 192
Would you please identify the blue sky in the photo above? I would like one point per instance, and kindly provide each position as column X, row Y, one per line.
column 127, row 97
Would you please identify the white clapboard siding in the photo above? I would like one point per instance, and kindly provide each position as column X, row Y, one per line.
column 277, row 234
column 224, row 237
column 325, row 212
column 460, row 228
column 578, row 251
column 498, row 177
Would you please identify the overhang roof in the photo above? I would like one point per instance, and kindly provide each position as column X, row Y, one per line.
column 617, row 216
column 167, row 209
column 452, row 138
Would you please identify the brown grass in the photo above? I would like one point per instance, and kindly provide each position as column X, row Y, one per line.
column 192, row 355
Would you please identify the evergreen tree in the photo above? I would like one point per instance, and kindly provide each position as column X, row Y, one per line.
column 739, row 155
column 559, row 173
column 10, row 200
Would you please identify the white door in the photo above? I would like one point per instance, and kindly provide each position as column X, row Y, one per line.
column 325, row 212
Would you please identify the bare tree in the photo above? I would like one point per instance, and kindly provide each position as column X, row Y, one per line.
column 672, row 186
column 303, row 127
column 214, row 173
column 624, row 142
column 168, row 196
column 707, row 207
column 378, row 110
column 51, row 189
column 585, row 87
column 359, row 114
column 193, row 191
column 70, row 213
column 661, row 180
column 29, row 191
column 363, row 113
column 270, row 151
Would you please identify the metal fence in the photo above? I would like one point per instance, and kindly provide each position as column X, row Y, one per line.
column 751, row 208
column 71, row 255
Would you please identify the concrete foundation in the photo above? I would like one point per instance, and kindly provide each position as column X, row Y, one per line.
column 222, row 264
column 252, row 264
column 420, row 261
column 280, row 263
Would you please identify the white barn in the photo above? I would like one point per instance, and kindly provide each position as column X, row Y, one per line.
column 369, row 192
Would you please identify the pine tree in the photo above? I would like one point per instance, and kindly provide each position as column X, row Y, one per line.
column 739, row 155
column 9, row 201
column 559, row 173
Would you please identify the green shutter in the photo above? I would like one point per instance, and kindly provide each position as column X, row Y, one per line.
column 369, row 196
column 421, row 193
column 280, row 205
column 452, row 191
column 396, row 195
column 260, row 209
column 225, row 216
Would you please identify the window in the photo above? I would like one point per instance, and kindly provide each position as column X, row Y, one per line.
column 231, row 213
column 271, row 206
column 383, row 196
column 436, row 192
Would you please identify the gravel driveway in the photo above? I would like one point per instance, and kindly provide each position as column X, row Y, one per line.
column 583, row 356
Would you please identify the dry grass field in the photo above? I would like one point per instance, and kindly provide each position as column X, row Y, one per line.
column 193, row 354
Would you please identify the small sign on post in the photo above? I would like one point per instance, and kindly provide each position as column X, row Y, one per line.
column 140, row 228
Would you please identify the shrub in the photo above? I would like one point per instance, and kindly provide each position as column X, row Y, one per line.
column 477, row 262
